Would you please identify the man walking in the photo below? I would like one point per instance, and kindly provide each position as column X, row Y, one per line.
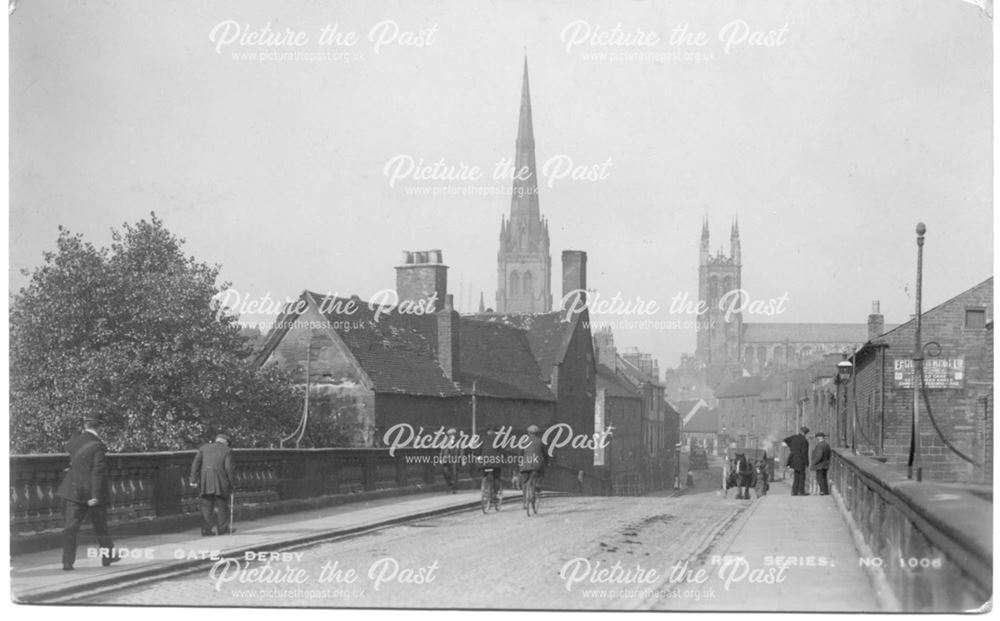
column 821, row 463
column 86, row 490
column 450, row 455
column 798, row 460
column 214, row 472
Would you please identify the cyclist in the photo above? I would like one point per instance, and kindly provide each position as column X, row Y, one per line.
column 534, row 458
column 490, row 457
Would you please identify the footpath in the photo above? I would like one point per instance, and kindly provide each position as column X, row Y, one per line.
column 39, row 578
column 806, row 534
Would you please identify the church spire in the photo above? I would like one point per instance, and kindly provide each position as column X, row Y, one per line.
column 482, row 303
column 524, row 198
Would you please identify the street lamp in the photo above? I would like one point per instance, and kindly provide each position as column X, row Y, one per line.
column 844, row 371
column 918, row 359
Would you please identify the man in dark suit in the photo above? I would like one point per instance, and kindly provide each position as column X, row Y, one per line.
column 214, row 473
column 821, row 463
column 86, row 490
column 798, row 460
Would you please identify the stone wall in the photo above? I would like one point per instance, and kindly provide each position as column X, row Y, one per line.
column 928, row 546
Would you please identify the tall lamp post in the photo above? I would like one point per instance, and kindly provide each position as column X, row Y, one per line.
column 918, row 360
column 844, row 371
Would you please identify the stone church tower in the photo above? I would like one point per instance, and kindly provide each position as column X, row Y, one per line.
column 718, row 340
column 524, row 265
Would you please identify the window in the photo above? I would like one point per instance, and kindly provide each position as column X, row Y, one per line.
column 975, row 318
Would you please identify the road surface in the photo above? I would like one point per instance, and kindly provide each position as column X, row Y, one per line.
column 578, row 552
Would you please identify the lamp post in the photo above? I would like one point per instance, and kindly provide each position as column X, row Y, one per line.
column 918, row 359
column 845, row 369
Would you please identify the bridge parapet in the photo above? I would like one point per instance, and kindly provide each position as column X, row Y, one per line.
column 932, row 542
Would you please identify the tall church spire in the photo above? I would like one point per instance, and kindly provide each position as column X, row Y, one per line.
column 524, row 197
column 524, row 265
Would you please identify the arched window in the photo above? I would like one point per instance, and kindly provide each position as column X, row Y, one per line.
column 527, row 282
column 713, row 289
column 515, row 283
column 748, row 354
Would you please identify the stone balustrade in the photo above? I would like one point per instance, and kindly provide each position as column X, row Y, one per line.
column 156, row 488
column 929, row 545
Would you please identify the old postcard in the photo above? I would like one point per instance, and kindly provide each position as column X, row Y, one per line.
column 565, row 305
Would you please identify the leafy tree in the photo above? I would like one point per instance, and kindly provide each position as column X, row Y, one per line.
column 134, row 333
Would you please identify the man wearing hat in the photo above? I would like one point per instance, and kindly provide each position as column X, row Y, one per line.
column 821, row 463
column 86, row 490
column 798, row 460
column 214, row 472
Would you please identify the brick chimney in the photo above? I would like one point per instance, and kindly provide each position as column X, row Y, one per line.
column 574, row 275
column 604, row 348
column 447, row 337
column 422, row 275
column 876, row 322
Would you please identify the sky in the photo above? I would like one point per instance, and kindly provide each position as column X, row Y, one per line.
column 841, row 127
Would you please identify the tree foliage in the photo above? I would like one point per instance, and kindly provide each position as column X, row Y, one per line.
column 134, row 334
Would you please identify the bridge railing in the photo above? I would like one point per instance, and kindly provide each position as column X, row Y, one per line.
column 155, row 487
column 931, row 542
column 151, row 492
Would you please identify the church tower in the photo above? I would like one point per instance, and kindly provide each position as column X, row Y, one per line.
column 719, row 340
column 524, row 265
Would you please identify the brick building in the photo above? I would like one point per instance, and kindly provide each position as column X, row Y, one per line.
column 958, row 385
column 619, row 405
column 369, row 367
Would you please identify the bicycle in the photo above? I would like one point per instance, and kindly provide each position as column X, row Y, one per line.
column 531, row 494
column 491, row 494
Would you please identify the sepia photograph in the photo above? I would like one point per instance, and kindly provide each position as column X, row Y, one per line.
column 507, row 305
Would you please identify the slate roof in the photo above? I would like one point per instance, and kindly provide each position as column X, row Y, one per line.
column 398, row 352
column 742, row 387
column 636, row 375
column 547, row 333
column 705, row 420
column 614, row 385
column 499, row 359
column 805, row 333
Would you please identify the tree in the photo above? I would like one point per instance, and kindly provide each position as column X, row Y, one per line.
column 135, row 333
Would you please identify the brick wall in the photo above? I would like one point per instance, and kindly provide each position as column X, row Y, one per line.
column 958, row 410
column 576, row 389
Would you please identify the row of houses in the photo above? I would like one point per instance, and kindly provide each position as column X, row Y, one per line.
column 863, row 398
column 368, row 368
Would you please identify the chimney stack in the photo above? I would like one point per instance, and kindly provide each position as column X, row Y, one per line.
column 574, row 276
column 447, row 337
column 876, row 322
column 421, row 276
column 604, row 348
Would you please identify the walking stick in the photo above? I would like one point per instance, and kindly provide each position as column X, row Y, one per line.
column 232, row 511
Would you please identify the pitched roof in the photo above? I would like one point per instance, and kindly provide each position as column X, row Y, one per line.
column 742, row 387
column 398, row 352
column 805, row 332
column 498, row 358
column 548, row 334
column 705, row 420
column 636, row 375
column 614, row 385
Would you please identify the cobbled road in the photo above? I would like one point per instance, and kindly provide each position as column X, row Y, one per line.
column 499, row 560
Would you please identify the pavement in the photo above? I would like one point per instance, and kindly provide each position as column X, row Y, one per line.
column 798, row 554
column 38, row 577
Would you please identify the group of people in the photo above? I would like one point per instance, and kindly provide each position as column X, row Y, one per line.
column 86, row 489
column 488, row 459
column 799, row 461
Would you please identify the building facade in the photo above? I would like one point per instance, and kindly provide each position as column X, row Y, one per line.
column 955, row 400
